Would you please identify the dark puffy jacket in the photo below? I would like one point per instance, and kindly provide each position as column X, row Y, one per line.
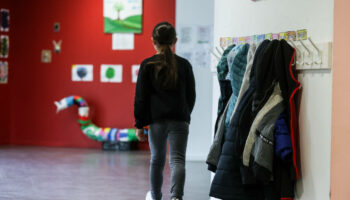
column 227, row 183
column 225, row 85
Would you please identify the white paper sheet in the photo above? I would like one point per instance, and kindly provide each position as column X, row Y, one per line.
column 122, row 41
column 194, row 44
column 112, row 73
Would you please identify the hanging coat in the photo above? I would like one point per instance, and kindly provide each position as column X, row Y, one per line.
column 272, row 62
column 227, row 182
column 215, row 149
column 237, row 70
column 225, row 88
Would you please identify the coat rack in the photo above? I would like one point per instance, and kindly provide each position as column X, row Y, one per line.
column 309, row 55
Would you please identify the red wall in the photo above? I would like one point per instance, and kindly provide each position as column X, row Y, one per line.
column 5, row 88
column 36, row 85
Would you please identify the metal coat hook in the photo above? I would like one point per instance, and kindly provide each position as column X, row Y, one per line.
column 218, row 50
column 314, row 45
column 222, row 48
column 307, row 49
column 214, row 54
column 299, row 56
column 309, row 56
column 319, row 53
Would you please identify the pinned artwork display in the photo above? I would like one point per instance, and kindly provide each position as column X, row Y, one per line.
column 56, row 27
column 223, row 42
column 5, row 20
column 186, row 35
column 82, row 72
column 3, row 72
column 195, row 43
column 260, row 38
column 292, row 35
column 134, row 73
column 302, row 34
column 57, row 46
column 91, row 130
column 275, row 36
column 4, row 46
column 112, row 73
column 122, row 16
column 241, row 40
column 283, row 36
column 289, row 35
column 204, row 34
column 46, row 56
column 123, row 41
column 248, row 39
column 268, row 36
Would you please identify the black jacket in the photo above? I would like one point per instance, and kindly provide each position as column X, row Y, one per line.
column 154, row 104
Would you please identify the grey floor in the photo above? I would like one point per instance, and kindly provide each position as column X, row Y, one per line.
column 38, row 173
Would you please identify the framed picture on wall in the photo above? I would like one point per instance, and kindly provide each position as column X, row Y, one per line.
column 122, row 16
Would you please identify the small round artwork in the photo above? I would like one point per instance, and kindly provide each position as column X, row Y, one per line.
column 82, row 72
column 110, row 73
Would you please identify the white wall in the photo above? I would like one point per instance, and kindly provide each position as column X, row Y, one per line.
column 198, row 12
column 244, row 18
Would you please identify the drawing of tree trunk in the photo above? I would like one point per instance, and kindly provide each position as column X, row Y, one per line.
column 118, row 6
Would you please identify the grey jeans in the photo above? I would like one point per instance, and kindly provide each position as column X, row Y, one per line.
column 176, row 132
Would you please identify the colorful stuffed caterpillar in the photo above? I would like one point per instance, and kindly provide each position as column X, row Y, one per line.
column 91, row 130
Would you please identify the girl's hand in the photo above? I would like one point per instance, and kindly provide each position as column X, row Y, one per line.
column 141, row 135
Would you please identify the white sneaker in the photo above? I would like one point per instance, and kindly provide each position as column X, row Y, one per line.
column 149, row 196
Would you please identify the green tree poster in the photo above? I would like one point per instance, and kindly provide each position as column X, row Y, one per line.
column 122, row 16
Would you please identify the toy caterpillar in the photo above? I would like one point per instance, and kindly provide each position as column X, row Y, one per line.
column 90, row 129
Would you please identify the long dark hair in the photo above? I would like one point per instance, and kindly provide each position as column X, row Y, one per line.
column 166, row 72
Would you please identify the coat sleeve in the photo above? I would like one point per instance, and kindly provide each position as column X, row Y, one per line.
column 190, row 89
column 142, row 99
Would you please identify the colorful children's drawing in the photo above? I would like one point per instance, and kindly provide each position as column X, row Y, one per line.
column 3, row 72
column 229, row 41
column 292, row 35
column 261, row 38
column 268, row 36
column 82, row 72
column 283, row 36
column 275, row 36
column 223, row 42
column 112, row 73
column 248, row 39
column 122, row 16
column 302, row 34
column 241, row 40
column 235, row 40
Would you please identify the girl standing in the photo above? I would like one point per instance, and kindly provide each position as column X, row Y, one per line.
column 164, row 99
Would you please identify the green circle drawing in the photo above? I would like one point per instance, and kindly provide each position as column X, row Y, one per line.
column 110, row 73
